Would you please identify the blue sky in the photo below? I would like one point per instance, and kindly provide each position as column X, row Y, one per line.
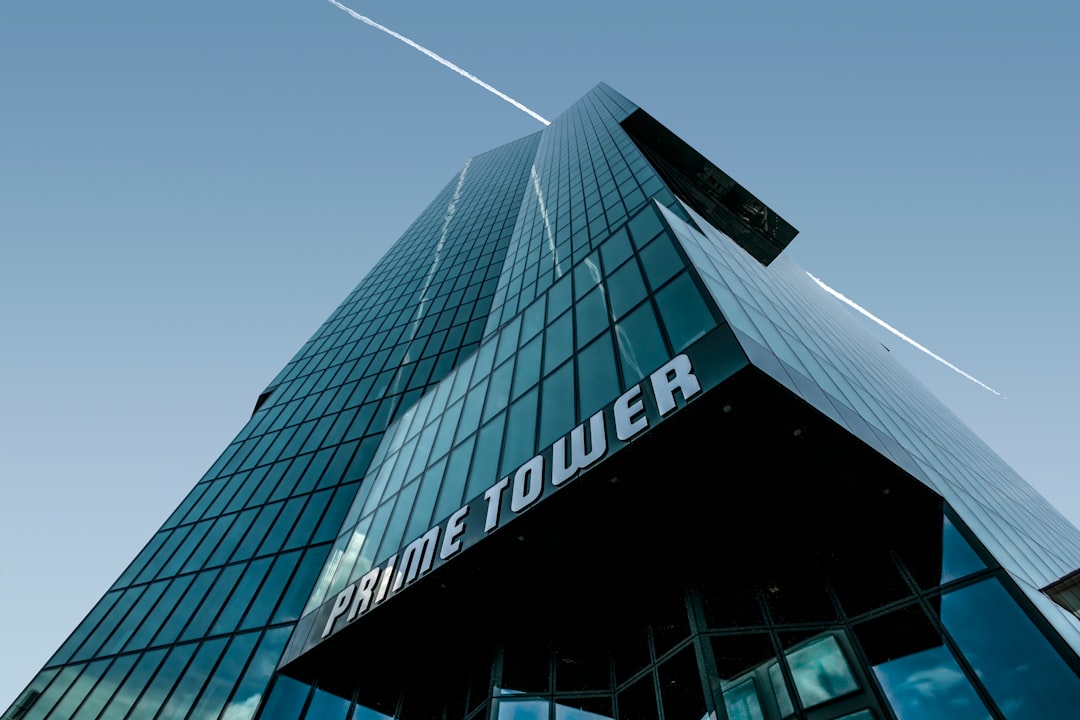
column 187, row 190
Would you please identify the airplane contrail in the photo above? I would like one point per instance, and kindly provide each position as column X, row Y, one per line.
column 441, row 60
column 902, row 336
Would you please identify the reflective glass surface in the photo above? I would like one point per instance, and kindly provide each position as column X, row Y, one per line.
column 546, row 278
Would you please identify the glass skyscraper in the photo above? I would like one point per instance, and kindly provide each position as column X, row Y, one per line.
column 585, row 444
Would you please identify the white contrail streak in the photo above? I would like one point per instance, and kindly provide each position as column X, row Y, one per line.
column 902, row 336
column 440, row 60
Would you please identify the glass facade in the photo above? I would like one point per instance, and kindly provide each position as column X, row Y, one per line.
column 585, row 445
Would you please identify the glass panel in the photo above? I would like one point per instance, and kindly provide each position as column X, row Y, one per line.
column 191, row 683
column 249, row 692
column 660, row 261
column 1026, row 677
column 286, row 700
column 638, row 702
column 919, row 675
column 520, row 439
column 957, row 557
column 155, row 694
column 820, row 671
column 598, row 381
column 591, row 316
column 681, row 694
column 525, row 669
column 741, row 701
column 127, row 693
column 324, row 706
column 739, row 662
column 79, row 690
column 559, row 342
column 221, row 684
column 625, row 289
column 101, row 695
column 522, row 709
column 686, row 317
column 584, row 709
column 557, row 402
column 640, row 344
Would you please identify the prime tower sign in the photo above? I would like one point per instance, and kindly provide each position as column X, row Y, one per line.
column 581, row 448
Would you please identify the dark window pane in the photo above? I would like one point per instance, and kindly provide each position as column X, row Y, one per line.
column 525, row 668
column 638, row 702
column 681, row 693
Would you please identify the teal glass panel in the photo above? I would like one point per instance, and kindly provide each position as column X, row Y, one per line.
column 241, row 596
column 78, row 690
column 448, row 426
column 598, row 381
column 957, row 558
column 395, row 528
column 485, row 462
column 221, row 684
column 262, row 606
column 421, row 518
column 109, row 624
column 557, row 404
column 187, row 606
column 154, row 620
column 587, row 275
column 641, row 347
column 374, row 537
column 160, row 687
column 1023, row 673
column 527, row 367
column 470, row 416
column 309, row 517
column 189, row 685
column 645, row 226
column 138, row 614
column 296, row 594
column 685, row 314
column 282, row 526
column 128, row 692
column 105, row 688
column 210, row 543
column 559, row 297
column 453, row 486
column 286, row 700
column 498, row 390
column 591, row 316
column 558, row 342
column 56, row 689
column 245, row 699
column 211, row 602
column 920, row 677
column 616, row 250
column 661, row 261
column 625, row 289
column 325, row 706
column 519, row 442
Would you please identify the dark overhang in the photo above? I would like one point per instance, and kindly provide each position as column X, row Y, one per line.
column 739, row 480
